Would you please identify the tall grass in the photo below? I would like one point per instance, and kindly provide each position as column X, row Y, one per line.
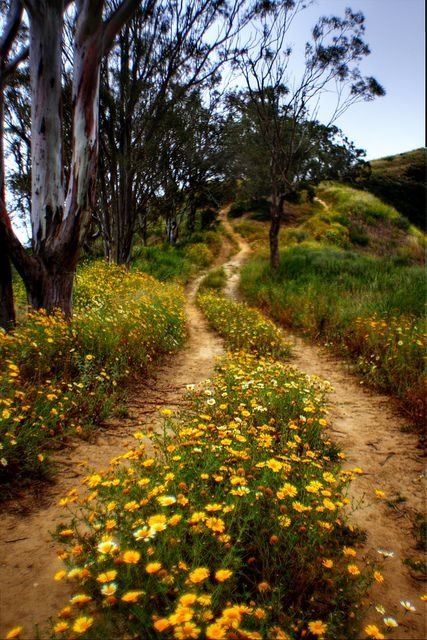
column 177, row 263
column 372, row 308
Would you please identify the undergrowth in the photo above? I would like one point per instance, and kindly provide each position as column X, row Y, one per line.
column 60, row 378
column 242, row 327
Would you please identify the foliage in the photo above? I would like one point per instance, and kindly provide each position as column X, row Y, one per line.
column 199, row 254
column 242, row 327
column 234, row 529
column 258, row 208
column 348, row 217
column 372, row 308
column 59, row 378
column 400, row 180
column 177, row 263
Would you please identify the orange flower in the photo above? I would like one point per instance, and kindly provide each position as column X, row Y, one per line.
column 353, row 569
column 186, row 631
column 223, row 574
column 199, row 574
column 215, row 524
column 317, row 627
column 215, row 632
column 108, row 576
column 153, row 567
column 82, row 624
column 131, row 557
column 161, row 625
column 15, row 632
column 372, row 631
column 132, row 596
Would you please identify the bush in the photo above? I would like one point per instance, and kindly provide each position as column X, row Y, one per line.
column 237, row 209
column 60, row 378
column 164, row 262
column 199, row 254
column 216, row 279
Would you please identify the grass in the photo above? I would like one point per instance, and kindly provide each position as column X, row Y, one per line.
column 371, row 308
column 354, row 219
column 60, row 378
column 215, row 280
column 177, row 263
column 242, row 327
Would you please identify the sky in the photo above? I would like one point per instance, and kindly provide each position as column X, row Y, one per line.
column 395, row 34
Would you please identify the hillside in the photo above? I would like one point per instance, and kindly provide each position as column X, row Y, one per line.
column 400, row 180
column 342, row 217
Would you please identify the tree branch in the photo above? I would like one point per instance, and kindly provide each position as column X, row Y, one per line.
column 11, row 29
column 118, row 18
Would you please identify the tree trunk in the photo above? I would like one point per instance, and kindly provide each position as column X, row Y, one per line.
column 54, row 290
column 276, row 210
column 143, row 225
column 47, row 183
column 191, row 219
column 7, row 309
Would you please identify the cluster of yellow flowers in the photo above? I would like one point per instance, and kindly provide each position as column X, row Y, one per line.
column 243, row 327
column 60, row 377
column 234, row 530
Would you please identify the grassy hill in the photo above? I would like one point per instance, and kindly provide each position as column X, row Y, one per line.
column 343, row 217
column 400, row 180
column 352, row 275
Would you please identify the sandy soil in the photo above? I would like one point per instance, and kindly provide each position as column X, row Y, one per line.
column 364, row 425
column 369, row 431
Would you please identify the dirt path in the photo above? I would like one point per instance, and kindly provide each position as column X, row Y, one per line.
column 370, row 433
column 28, row 594
column 363, row 424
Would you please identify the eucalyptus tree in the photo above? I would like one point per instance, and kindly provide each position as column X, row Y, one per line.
column 60, row 217
column 285, row 105
column 154, row 64
column 12, row 52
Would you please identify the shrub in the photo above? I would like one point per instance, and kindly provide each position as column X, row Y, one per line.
column 237, row 209
column 216, row 279
column 199, row 254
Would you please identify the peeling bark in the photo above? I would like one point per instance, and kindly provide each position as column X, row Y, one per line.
column 47, row 190
column 59, row 224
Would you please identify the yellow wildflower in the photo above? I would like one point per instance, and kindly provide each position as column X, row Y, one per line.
column 317, row 627
column 82, row 624
column 223, row 574
column 199, row 574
